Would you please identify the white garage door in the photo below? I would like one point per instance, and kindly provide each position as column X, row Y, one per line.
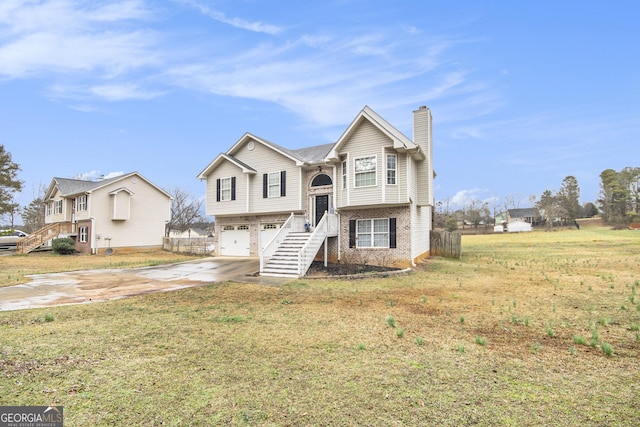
column 234, row 240
column 267, row 232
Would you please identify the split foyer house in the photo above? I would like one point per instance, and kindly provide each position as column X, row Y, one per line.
column 127, row 211
column 367, row 198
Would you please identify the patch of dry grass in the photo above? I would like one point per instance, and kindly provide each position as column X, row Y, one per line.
column 321, row 352
column 14, row 268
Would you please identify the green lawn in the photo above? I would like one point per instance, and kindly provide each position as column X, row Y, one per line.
column 515, row 333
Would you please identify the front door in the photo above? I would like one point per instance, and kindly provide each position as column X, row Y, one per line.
column 322, row 205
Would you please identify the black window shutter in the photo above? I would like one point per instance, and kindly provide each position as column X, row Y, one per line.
column 265, row 186
column 233, row 188
column 283, row 183
column 217, row 190
column 352, row 233
column 392, row 232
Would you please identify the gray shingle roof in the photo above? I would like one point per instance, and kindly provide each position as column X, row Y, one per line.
column 314, row 154
column 69, row 187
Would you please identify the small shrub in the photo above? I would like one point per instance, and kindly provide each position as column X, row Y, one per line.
column 460, row 348
column 361, row 346
column 63, row 246
column 579, row 339
column 286, row 301
column 400, row 333
column 606, row 349
column 391, row 322
column 419, row 341
column 48, row 317
column 481, row 341
column 550, row 332
column 461, row 319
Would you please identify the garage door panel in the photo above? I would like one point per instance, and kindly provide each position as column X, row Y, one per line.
column 234, row 240
column 268, row 232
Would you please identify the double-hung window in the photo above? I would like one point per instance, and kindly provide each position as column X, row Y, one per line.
column 83, row 234
column 365, row 171
column 373, row 233
column 49, row 208
column 392, row 167
column 274, row 184
column 57, row 207
column 225, row 189
column 81, row 203
column 344, row 175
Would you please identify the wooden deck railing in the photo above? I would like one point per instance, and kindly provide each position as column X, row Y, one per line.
column 42, row 236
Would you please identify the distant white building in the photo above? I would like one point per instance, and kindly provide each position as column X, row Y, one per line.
column 518, row 226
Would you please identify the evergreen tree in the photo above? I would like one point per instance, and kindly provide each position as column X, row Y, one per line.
column 9, row 183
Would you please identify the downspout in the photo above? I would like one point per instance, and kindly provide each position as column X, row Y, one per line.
column 93, row 236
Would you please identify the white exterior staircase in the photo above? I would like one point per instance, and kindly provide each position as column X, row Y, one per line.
column 286, row 259
column 291, row 251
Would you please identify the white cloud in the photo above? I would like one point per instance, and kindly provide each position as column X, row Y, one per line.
column 96, row 174
column 255, row 26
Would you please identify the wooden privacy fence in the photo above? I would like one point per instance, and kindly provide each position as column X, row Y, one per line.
column 446, row 244
column 190, row 245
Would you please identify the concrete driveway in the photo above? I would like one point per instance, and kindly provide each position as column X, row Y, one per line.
column 85, row 286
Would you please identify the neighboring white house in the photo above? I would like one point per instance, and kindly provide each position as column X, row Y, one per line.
column 127, row 211
column 367, row 198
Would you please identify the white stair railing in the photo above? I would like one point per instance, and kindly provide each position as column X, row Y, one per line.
column 292, row 224
column 326, row 227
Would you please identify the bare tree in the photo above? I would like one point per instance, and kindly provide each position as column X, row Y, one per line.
column 185, row 211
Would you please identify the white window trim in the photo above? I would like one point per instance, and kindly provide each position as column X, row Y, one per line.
column 345, row 170
column 372, row 233
column 375, row 171
column 395, row 170
column 83, row 234
column 81, row 203
column 223, row 189
column 57, row 207
column 274, row 185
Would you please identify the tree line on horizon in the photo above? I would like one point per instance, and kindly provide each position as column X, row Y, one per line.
column 618, row 204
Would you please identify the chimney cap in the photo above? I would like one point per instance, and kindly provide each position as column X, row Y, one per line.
column 422, row 107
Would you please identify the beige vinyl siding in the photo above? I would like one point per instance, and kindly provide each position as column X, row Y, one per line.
column 420, row 230
column 396, row 193
column 366, row 141
column 149, row 211
column 227, row 207
column 265, row 160
column 422, row 137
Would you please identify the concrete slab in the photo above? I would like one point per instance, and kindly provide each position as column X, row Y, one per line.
column 78, row 287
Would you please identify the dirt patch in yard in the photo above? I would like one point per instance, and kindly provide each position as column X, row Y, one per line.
column 318, row 269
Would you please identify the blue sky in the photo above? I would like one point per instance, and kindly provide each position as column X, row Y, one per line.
column 522, row 93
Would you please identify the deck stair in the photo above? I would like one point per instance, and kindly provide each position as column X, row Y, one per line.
column 42, row 236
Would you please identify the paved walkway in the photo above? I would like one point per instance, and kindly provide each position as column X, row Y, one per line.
column 85, row 286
